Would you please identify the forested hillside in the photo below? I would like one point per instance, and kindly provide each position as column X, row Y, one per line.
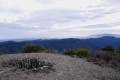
column 61, row 44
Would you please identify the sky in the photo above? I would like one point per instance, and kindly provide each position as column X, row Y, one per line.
column 58, row 18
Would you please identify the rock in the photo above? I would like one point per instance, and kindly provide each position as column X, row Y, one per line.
column 35, row 64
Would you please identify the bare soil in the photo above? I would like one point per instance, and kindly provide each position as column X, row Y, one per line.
column 66, row 68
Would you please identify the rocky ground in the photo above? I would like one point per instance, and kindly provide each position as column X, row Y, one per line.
column 64, row 68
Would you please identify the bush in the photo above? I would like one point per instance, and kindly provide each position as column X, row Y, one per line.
column 70, row 52
column 117, row 50
column 79, row 52
column 38, row 48
column 33, row 48
column 101, row 55
column 102, row 58
column 108, row 49
column 82, row 52
column 116, row 59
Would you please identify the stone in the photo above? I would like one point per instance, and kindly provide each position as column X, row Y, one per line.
column 35, row 64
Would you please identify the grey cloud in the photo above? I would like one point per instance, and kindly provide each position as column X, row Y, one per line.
column 14, row 11
column 48, row 18
column 99, row 26
column 45, row 1
column 114, row 1
column 95, row 14
column 7, row 33
column 14, row 26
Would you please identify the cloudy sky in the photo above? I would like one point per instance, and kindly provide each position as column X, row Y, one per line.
column 58, row 18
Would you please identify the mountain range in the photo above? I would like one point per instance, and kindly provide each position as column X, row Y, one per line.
column 105, row 34
column 61, row 44
column 87, row 37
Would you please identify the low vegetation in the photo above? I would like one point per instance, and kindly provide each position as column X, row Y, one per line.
column 100, row 55
column 108, row 49
column 117, row 50
column 105, row 56
column 82, row 52
column 79, row 52
column 33, row 48
column 70, row 52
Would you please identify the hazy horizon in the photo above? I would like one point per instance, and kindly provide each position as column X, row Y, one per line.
column 49, row 19
column 88, row 37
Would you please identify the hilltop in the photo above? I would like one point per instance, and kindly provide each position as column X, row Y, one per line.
column 66, row 68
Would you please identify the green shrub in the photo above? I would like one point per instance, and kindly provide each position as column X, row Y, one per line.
column 28, row 48
column 108, row 49
column 79, row 52
column 33, row 48
column 83, row 52
column 70, row 52
column 38, row 48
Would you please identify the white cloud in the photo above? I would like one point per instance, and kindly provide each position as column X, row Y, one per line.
column 106, row 19
column 27, row 7
column 66, row 18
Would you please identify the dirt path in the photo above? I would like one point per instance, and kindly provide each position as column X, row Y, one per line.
column 66, row 68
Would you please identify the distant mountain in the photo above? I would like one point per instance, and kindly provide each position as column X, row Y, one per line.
column 105, row 34
column 17, row 40
column 96, row 43
column 62, row 44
